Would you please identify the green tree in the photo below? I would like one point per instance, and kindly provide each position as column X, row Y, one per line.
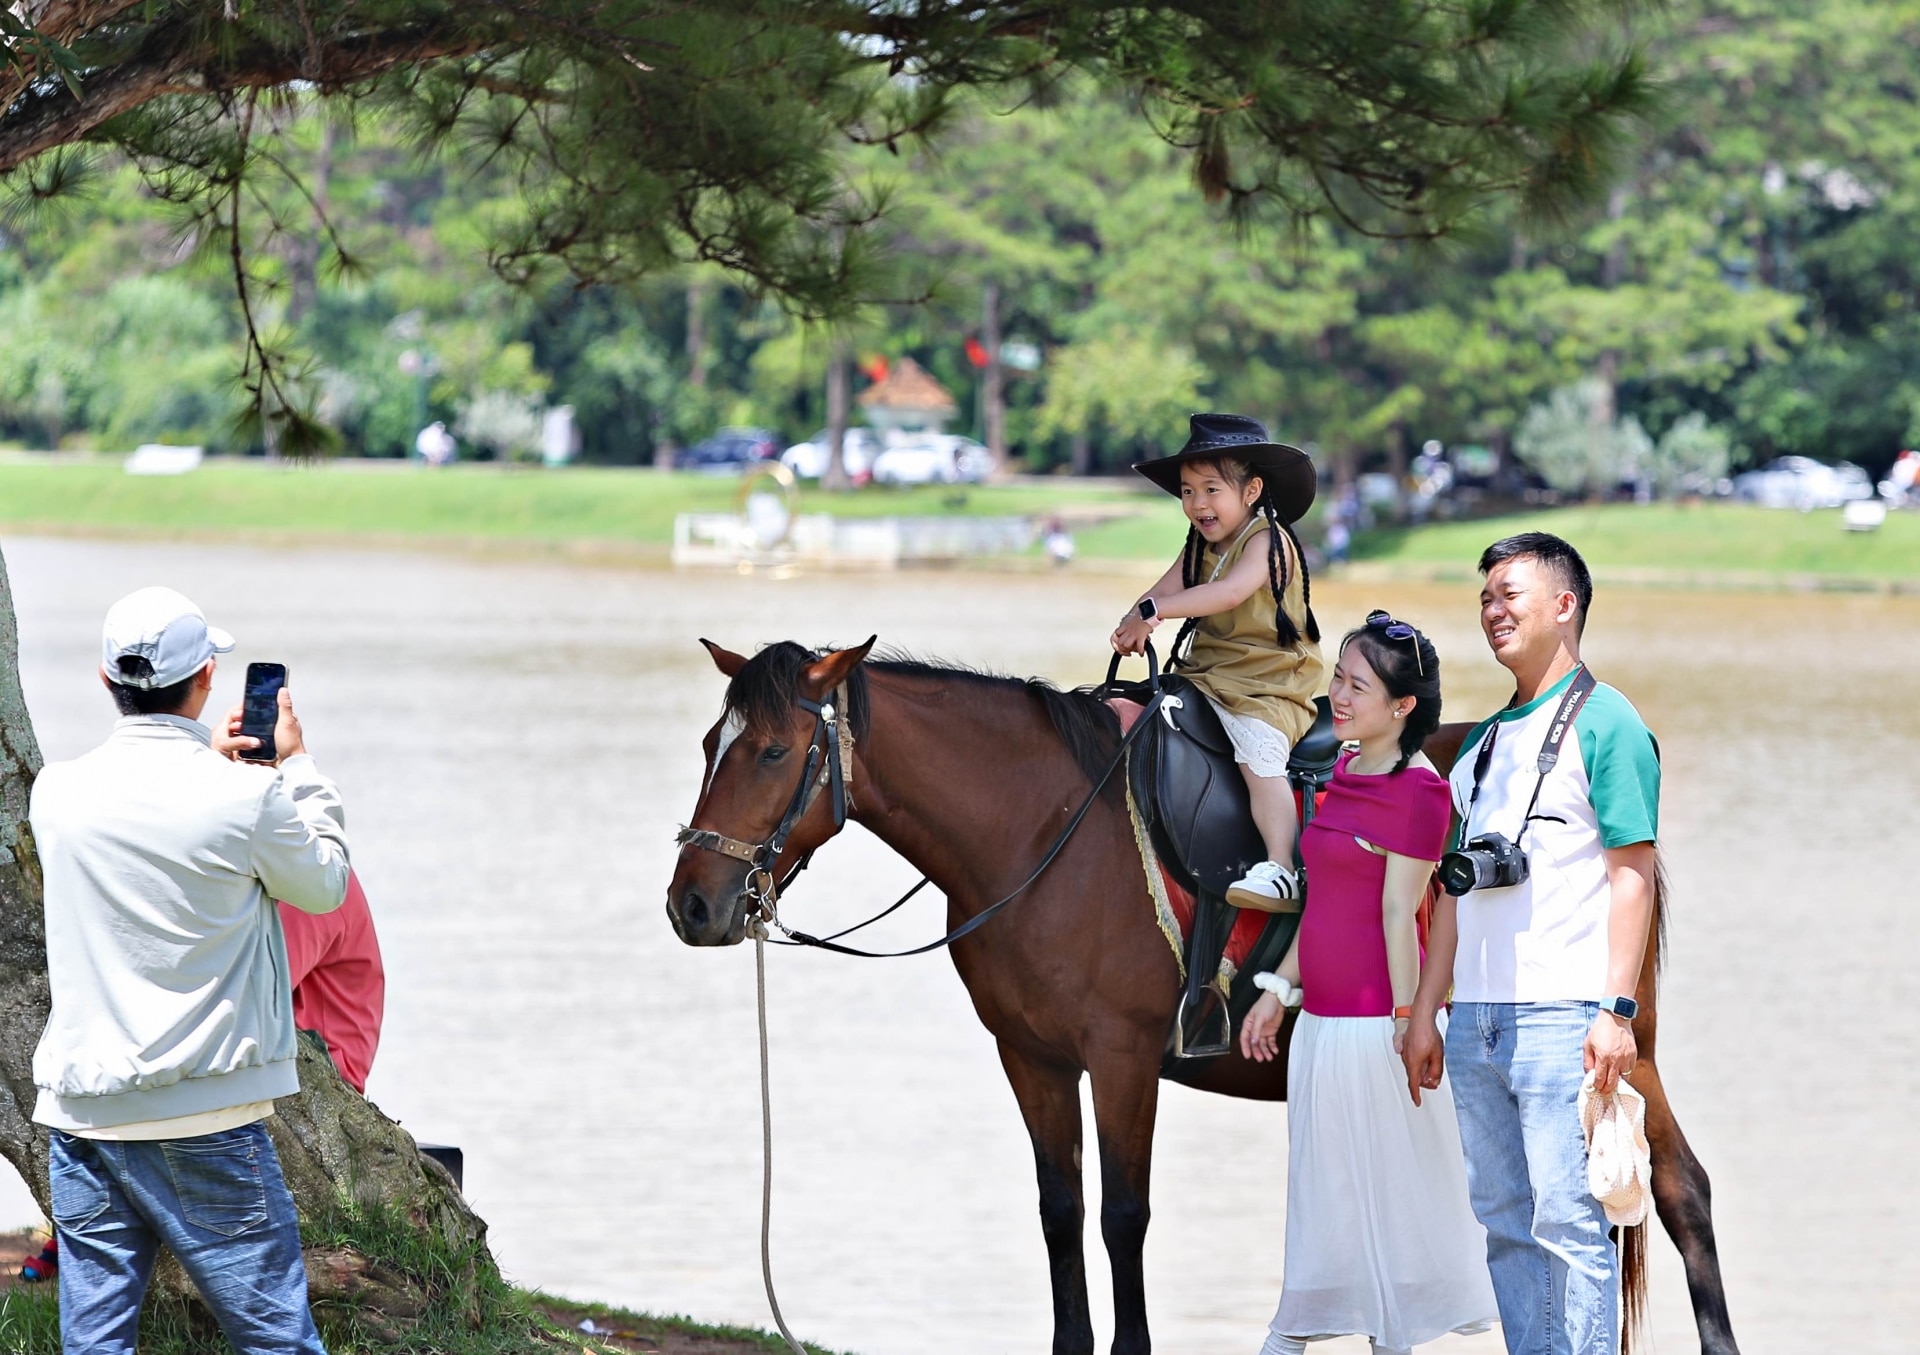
column 1577, row 445
column 1690, row 457
column 639, row 137
column 614, row 141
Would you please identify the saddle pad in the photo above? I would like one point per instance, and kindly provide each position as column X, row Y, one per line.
column 1173, row 905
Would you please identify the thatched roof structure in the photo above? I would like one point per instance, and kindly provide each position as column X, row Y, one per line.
column 907, row 397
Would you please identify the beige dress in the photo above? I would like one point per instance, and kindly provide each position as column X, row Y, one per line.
column 1236, row 659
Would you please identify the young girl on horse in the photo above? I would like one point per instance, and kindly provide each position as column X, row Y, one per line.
column 1241, row 587
column 1381, row 1238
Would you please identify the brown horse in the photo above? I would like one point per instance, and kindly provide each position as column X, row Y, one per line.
column 972, row 778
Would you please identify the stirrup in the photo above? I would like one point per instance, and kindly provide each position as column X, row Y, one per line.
column 1197, row 1012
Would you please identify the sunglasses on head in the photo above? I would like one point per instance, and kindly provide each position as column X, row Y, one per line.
column 1398, row 630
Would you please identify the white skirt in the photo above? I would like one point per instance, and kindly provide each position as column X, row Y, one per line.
column 1256, row 743
column 1381, row 1238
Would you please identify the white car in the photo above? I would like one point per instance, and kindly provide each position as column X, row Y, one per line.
column 932, row 459
column 808, row 459
column 1803, row 483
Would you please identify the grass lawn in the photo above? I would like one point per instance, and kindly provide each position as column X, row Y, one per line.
column 517, row 1321
column 1729, row 541
column 1704, row 543
column 538, row 1325
column 634, row 507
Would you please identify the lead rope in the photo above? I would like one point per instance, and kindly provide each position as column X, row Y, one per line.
column 759, row 931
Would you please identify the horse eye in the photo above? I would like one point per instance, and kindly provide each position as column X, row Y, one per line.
column 773, row 754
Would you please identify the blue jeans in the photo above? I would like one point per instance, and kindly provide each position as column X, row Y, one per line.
column 217, row 1202
column 1516, row 1070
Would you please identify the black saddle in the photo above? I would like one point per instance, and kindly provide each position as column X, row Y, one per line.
column 1199, row 818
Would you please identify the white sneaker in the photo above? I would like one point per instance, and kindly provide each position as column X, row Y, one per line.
column 1268, row 888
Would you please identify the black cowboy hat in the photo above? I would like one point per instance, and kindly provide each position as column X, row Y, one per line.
column 1287, row 472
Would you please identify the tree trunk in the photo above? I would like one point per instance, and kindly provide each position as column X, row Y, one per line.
column 696, row 335
column 1397, row 466
column 839, row 389
column 1607, row 370
column 1500, row 442
column 1613, row 266
column 993, row 382
column 1613, row 270
column 1081, row 451
column 23, row 937
column 303, row 262
column 347, row 1165
column 1343, row 472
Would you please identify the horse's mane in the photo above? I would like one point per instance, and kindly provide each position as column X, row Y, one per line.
column 763, row 692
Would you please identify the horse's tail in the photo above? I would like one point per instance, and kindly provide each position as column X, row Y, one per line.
column 1662, row 891
column 1633, row 1241
column 1633, row 1287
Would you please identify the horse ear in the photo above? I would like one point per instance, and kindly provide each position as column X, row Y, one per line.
column 823, row 675
column 728, row 662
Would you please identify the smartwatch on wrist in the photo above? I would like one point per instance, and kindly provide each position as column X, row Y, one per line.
column 1623, row 1007
column 1149, row 609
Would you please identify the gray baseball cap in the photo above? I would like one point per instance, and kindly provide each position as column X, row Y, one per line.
column 164, row 628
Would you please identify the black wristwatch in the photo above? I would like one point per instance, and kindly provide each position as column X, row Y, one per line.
column 1623, row 1007
column 1149, row 609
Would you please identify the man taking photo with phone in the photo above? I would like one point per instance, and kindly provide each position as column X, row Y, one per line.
column 1541, row 936
column 171, row 1030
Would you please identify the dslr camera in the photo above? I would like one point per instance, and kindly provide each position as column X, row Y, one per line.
column 1485, row 862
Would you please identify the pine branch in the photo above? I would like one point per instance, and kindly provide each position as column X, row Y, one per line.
column 182, row 55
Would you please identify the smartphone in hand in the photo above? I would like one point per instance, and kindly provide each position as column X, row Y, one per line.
column 260, row 709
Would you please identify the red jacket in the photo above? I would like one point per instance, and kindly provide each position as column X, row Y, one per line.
column 339, row 984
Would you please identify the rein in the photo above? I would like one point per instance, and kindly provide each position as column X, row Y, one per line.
column 829, row 727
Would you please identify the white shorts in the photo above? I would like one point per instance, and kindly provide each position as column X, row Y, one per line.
column 1256, row 744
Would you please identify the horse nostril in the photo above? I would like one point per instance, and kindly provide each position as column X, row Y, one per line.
column 694, row 909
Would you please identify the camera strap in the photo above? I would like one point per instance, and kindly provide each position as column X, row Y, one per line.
column 1576, row 696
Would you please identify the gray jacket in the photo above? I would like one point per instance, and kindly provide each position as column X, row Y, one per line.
column 162, row 860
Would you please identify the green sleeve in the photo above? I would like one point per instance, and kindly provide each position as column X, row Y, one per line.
column 1623, row 769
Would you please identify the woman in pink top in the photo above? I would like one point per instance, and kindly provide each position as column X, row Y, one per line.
column 1381, row 1239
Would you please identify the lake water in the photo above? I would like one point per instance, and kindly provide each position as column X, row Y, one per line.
column 517, row 739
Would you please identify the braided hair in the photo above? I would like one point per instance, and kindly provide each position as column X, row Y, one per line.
column 1279, row 568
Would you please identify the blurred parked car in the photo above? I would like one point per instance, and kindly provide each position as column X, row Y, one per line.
column 1803, row 483
column 930, row 459
column 728, row 451
column 808, row 459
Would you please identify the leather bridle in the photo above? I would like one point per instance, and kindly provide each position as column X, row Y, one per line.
column 831, row 731
column 829, row 766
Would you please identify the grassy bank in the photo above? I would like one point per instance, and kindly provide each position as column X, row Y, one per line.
column 501, row 1320
column 390, row 500
column 536, row 1324
column 1711, row 543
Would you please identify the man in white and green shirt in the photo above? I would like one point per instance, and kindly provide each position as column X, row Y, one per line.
column 1543, row 970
